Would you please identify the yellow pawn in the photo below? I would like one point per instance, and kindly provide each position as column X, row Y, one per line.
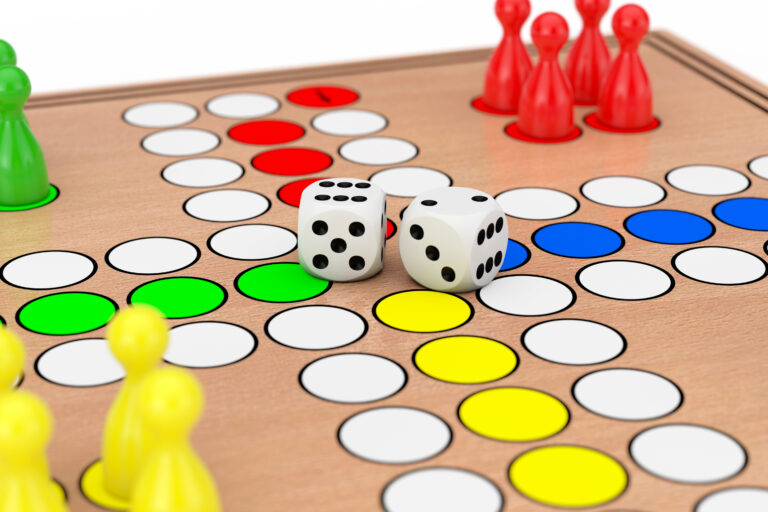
column 174, row 478
column 138, row 337
column 25, row 429
column 12, row 358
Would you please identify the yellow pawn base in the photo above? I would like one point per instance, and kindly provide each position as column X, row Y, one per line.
column 92, row 485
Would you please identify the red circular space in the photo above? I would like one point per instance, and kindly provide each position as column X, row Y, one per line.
column 266, row 132
column 322, row 96
column 391, row 229
column 595, row 123
column 292, row 161
column 290, row 194
column 479, row 104
column 513, row 131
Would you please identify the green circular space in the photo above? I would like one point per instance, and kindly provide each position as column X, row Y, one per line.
column 53, row 193
column 66, row 313
column 280, row 282
column 180, row 297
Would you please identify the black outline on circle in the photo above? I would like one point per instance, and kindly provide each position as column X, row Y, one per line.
column 570, row 304
column 616, row 131
column 143, row 147
column 418, row 151
column 465, row 322
column 499, row 113
column 269, row 321
column 63, row 489
column 666, row 178
column 82, row 490
column 252, row 118
column 333, row 161
column 697, row 507
column 22, row 208
column 687, row 424
column 765, row 266
column 327, row 400
column 749, row 166
column 36, row 366
column 628, row 420
column 413, row 360
column 714, row 212
column 20, row 380
column 672, row 282
column 320, row 87
column 246, row 356
column 547, row 142
column 257, row 120
column 337, row 109
column 394, row 229
column 506, row 441
column 364, row 411
column 569, row 445
column 313, row 180
column 370, row 178
column 765, row 247
column 93, row 271
column 109, row 264
column 663, row 190
column 122, row 116
column 214, row 251
column 2, row 321
column 502, row 501
column 223, row 300
column 578, row 203
column 268, row 200
column 526, row 260
column 619, row 248
column 534, row 354
column 402, row 212
column 18, row 312
column 711, row 225
column 162, row 172
column 237, row 278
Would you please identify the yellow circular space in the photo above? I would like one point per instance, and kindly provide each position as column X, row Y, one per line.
column 568, row 476
column 465, row 359
column 92, row 484
column 513, row 414
column 423, row 311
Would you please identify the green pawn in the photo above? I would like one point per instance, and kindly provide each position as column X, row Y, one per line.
column 23, row 177
column 7, row 55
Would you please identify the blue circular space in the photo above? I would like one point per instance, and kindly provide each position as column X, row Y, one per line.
column 669, row 227
column 744, row 212
column 517, row 255
column 578, row 240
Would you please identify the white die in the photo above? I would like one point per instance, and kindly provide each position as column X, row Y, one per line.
column 342, row 229
column 453, row 239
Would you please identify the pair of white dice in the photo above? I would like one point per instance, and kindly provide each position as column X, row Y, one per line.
column 452, row 239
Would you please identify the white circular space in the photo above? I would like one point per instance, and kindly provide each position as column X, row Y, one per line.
column 316, row 327
column 741, row 499
column 153, row 255
column 719, row 265
column 244, row 105
column 624, row 280
column 623, row 191
column 353, row 378
column 160, row 114
column 202, row 172
column 209, row 344
column 253, row 242
column 80, row 363
column 524, row 295
column 180, row 142
column 226, row 205
column 378, row 151
column 47, row 270
column 349, row 122
column 441, row 490
column 573, row 342
column 707, row 180
column 409, row 181
column 537, row 203
column 759, row 166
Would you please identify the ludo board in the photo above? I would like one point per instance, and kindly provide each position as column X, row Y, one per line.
column 616, row 362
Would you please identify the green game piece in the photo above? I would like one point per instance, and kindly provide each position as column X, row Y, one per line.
column 180, row 297
column 280, row 282
column 7, row 55
column 66, row 313
column 23, row 177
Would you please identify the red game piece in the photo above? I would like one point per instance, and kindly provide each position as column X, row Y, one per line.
column 546, row 101
column 626, row 97
column 510, row 64
column 589, row 59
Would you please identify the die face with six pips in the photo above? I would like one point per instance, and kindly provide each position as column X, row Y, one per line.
column 342, row 229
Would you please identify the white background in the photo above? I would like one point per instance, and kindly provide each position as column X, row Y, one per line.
column 72, row 44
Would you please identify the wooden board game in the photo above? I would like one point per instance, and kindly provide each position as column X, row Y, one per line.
column 591, row 282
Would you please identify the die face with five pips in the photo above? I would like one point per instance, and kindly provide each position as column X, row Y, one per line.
column 342, row 229
column 453, row 239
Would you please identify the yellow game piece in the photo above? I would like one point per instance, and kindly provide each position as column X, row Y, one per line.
column 138, row 337
column 12, row 357
column 174, row 478
column 25, row 429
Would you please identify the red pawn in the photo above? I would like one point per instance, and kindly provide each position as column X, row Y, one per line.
column 589, row 58
column 626, row 98
column 510, row 64
column 546, row 101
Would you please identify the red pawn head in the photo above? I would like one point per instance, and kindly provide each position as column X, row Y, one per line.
column 630, row 24
column 512, row 13
column 592, row 11
column 549, row 32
